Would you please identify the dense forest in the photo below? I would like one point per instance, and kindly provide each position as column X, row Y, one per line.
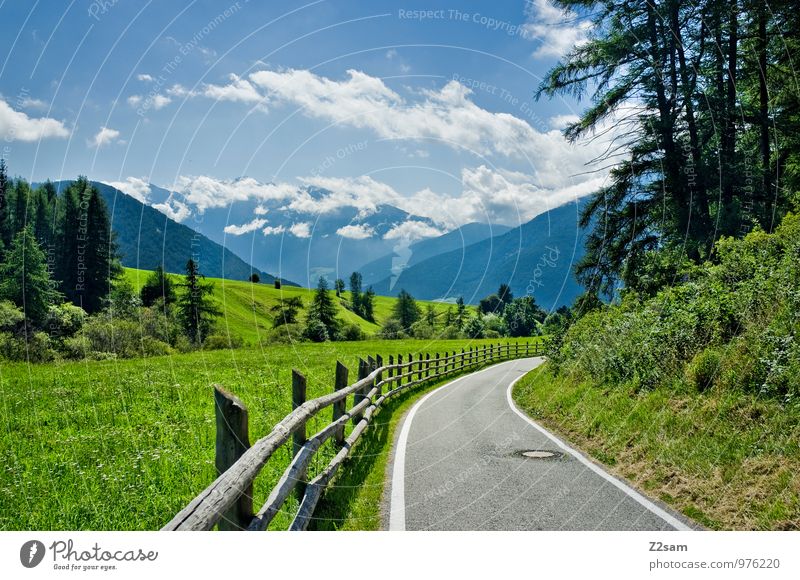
column 702, row 107
column 701, row 102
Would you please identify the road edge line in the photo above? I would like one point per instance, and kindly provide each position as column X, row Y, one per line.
column 622, row 486
column 397, row 501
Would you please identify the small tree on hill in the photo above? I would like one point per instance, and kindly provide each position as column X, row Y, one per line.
column 504, row 295
column 368, row 305
column 255, row 278
column 285, row 311
column 355, row 293
column 158, row 285
column 339, row 286
column 461, row 313
column 24, row 279
column 196, row 307
column 405, row 310
column 321, row 321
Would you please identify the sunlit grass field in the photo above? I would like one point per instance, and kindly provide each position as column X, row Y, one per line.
column 246, row 306
column 125, row 444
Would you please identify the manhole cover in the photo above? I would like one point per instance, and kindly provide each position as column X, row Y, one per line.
column 540, row 454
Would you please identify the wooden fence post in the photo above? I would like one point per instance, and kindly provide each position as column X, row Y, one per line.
column 379, row 378
column 299, row 436
column 358, row 396
column 340, row 407
column 400, row 371
column 391, row 372
column 232, row 441
column 410, row 368
column 427, row 365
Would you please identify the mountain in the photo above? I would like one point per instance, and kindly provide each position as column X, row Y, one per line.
column 304, row 244
column 536, row 258
column 394, row 263
column 147, row 238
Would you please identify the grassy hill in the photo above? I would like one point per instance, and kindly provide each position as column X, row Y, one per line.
column 246, row 306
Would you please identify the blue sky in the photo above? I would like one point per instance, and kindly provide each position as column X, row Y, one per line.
column 429, row 108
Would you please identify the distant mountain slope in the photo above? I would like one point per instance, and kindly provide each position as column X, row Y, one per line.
column 536, row 258
column 396, row 262
column 303, row 245
column 147, row 238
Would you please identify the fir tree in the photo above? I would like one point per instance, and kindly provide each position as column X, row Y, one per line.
column 321, row 321
column 157, row 286
column 405, row 310
column 196, row 307
column 24, row 279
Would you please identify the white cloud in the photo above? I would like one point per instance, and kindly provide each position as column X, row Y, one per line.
column 557, row 30
column 560, row 122
column 356, row 232
column 301, row 229
column 146, row 78
column 245, row 228
column 204, row 192
column 105, row 136
column 153, row 101
column 261, row 210
column 30, row 103
column 238, row 89
column 174, row 209
column 136, row 187
column 17, row 126
column 273, row 230
column 412, row 230
column 391, row 53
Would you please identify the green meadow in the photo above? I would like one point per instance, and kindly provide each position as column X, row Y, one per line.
column 125, row 444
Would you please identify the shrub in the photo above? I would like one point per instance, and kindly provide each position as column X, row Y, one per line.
column 422, row 330
column 474, row 327
column 65, row 319
column 36, row 347
column 351, row 332
column 450, row 333
column 221, row 342
column 11, row 317
column 392, row 330
column 703, row 369
column 286, row 334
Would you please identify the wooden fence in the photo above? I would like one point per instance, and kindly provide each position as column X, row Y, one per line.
column 228, row 500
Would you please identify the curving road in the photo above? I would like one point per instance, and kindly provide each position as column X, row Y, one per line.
column 458, row 465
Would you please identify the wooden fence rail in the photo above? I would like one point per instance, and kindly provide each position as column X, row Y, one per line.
column 227, row 502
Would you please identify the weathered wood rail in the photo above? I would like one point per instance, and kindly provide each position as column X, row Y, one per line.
column 228, row 502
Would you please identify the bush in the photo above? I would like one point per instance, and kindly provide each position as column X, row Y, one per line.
column 65, row 319
column 392, row 330
column 351, row 332
column 11, row 317
column 474, row 327
column 450, row 333
column 494, row 324
column 36, row 347
column 286, row 334
column 702, row 371
column 422, row 330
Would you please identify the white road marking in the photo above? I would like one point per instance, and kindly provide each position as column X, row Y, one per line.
column 397, row 503
column 626, row 489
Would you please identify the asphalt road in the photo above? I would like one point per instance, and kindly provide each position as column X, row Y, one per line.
column 457, row 465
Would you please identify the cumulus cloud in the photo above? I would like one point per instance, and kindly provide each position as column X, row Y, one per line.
column 204, row 192
column 31, row 103
column 356, row 231
column 105, row 136
column 136, row 187
column 556, row 30
column 238, row 90
column 301, row 230
column 273, row 230
column 17, row 126
column 261, row 210
column 174, row 209
column 156, row 101
column 245, row 228
column 412, row 230
column 146, row 78
column 561, row 121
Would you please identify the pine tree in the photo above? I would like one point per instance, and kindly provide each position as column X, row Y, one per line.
column 24, row 279
column 69, row 229
column 405, row 310
column 461, row 313
column 321, row 321
column 157, row 286
column 355, row 293
column 196, row 307
column 101, row 260
column 5, row 223
column 430, row 315
column 285, row 311
column 339, row 286
column 368, row 305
